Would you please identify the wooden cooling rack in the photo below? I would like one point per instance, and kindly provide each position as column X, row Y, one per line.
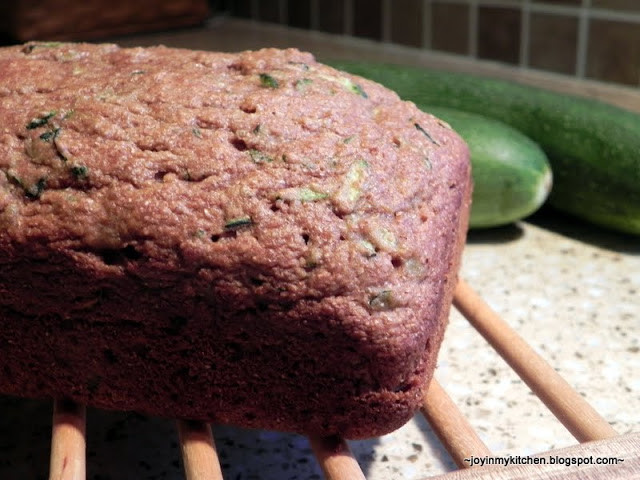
column 598, row 440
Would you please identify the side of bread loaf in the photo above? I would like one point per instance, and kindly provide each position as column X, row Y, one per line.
column 251, row 238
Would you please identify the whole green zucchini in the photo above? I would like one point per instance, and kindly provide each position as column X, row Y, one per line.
column 511, row 174
column 593, row 147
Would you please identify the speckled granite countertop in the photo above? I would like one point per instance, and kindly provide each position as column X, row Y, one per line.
column 570, row 290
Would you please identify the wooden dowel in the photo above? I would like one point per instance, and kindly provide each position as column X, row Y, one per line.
column 335, row 459
column 199, row 454
column 451, row 427
column 565, row 403
column 68, row 444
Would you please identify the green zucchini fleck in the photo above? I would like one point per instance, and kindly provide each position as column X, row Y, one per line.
column 50, row 135
column 382, row 301
column 302, row 65
column 351, row 188
column 13, row 178
column 383, row 239
column 310, row 263
column 425, row 133
column 353, row 87
column 367, row 248
column 302, row 194
column 268, row 81
column 415, row 268
column 35, row 190
column 80, row 172
column 40, row 121
column 302, row 83
column 196, row 132
column 309, row 195
column 32, row 46
column 239, row 222
column 259, row 157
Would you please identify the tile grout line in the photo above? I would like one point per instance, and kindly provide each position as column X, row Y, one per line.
column 347, row 26
column 473, row 29
column 583, row 39
column 314, row 13
column 427, row 25
column 386, row 20
column 283, row 12
column 525, row 33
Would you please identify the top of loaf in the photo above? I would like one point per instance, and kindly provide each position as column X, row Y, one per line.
column 269, row 178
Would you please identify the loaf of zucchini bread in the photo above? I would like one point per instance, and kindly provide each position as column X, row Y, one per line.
column 253, row 239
